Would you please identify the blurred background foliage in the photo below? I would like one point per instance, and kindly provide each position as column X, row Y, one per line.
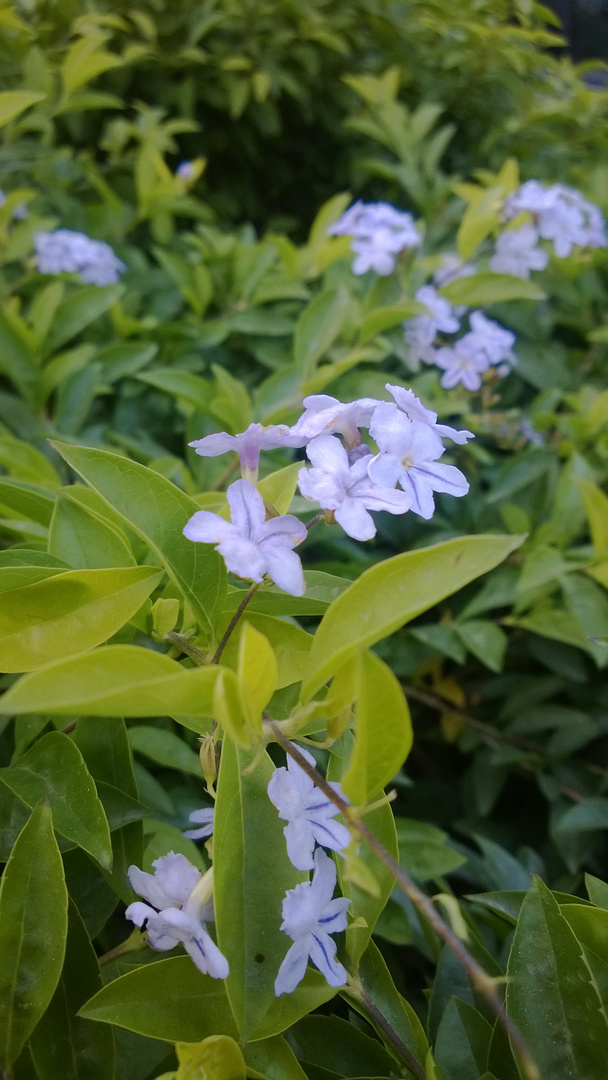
column 280, row 105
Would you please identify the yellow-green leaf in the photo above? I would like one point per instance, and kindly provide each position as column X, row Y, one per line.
column 383, row 730
column 257, row 673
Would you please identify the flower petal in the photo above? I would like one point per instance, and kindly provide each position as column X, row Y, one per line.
column 246, row 507
column 322, row 953
column 207, row 528
column 293, row 968
column 285, row 569
column 300, row 843
column 214, row 445
column 206, row 955
column 355, row 520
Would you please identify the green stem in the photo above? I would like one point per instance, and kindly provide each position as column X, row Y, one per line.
column 187, row 647
column 134, row 943
column 234, row 620
column 480, row 980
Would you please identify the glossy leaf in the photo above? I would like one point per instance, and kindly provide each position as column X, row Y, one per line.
column 63, row 1044
column 14, row 102
column 550, row 994
column 392, row 593
column 310, row 994
column 53, row 769
column 168, row 999
column 290, row 643
column 69, row 613
column 257, row 673
column 423, row 850
column 317, row 328
column 383, row 730
column 116, row 680
column 26, row 500
column 487, row 288
column 217, row 1057
column 252, row 874
column 463, row 1041
column 157, row 511
column 33, row 931
column 85, row 539
column 273, row 1059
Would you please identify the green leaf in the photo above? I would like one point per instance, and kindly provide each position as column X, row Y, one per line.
column 25, row 462
column 379, row 986
column 63, row 1044
column 54, row 770
column 69, row 613
column 33, row 930
column 392, row 593
column 117, row 680
column 84, row 538
column 26, row 500
column 77, row 311
column 384, row 318
column 14, row 102
column 312, row 992
column 278, row 488
column 291, row 645
column 383, row 730
column 463, row 1041
column 218, row 1057
column 550, row 995
column 321, row 591
column 590, row 925
column 165, row 749
column 485, row 640
column 169, row 1000
column 273, row 1059
column 317, row 328
column 596, row 508
column 424, row 851
column 257, row 673
column 330, row 1039
column 252, row 874
column 597, row 891
column 487, row 288
column 157, row 511
column 228, row 708
column 182, row 385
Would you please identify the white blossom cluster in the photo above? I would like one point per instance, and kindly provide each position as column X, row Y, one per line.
column 347, row 478
column 66, row 251
column 487, row 343
column 559, row 214
column 379, row 232
column 310, row 914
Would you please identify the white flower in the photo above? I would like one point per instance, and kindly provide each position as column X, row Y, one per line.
column 178, row 905
column 72, row 252
column 421, row 331
column 490, row 338
column 415, row 410
column 379, row 232
column 462, row 362
column 308, row 811
column 249, row 545
column 310, row 915
column 248, row 445
column 325, row 415
column 204, row 818
column 408, row 456
column 517, row 254
column 346, row 488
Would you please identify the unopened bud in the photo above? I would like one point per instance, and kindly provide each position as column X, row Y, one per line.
column 208, row 761
column 165, row 613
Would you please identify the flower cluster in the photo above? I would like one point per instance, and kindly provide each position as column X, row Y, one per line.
column 347, row 479
column 379, row 232
column 310, row 914
column 486, row 344
column 65, row 251
column 179, row 906
column 560, row 214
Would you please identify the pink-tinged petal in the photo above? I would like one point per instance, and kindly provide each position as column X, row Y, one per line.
column 243, row 557
column 246, row 507
column 207, row 528
column 300, row 842
column 293, row 968
column 285, row 531
column 326, row 452
column 355, row 520
column 214, row 445
column 322, row 953
column 285, row 569
column 138, row 912
column 206, row 955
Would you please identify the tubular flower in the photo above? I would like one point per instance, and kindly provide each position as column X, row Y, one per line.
column 248, row 445
column 308, row 811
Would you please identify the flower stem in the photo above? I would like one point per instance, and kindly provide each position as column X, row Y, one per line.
column 134, row 943
column 355, row 991
column 480, row 980
column 234, row 620
column 187, row 647
column 315, row 520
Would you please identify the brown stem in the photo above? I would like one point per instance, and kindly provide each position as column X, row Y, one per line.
column 315, row 520
column 234, row 620
column 355, row 990
column 226, row 475
column 480, row 980
column 187, row 647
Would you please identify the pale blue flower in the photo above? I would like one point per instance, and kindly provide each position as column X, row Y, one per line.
column 251, row 546
column 310, row 916
column 204, row 818
column 178, row 906
column 379, row 232
column 346, row 488
column 325, row 415
column 408, row 456
column 517, row 253
column 65, row 251
column 463, row 362
column 490, row 338
column 185, row 170
column 421, row 331
column 248, row 445
column 415, row 410
column 308, row 811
